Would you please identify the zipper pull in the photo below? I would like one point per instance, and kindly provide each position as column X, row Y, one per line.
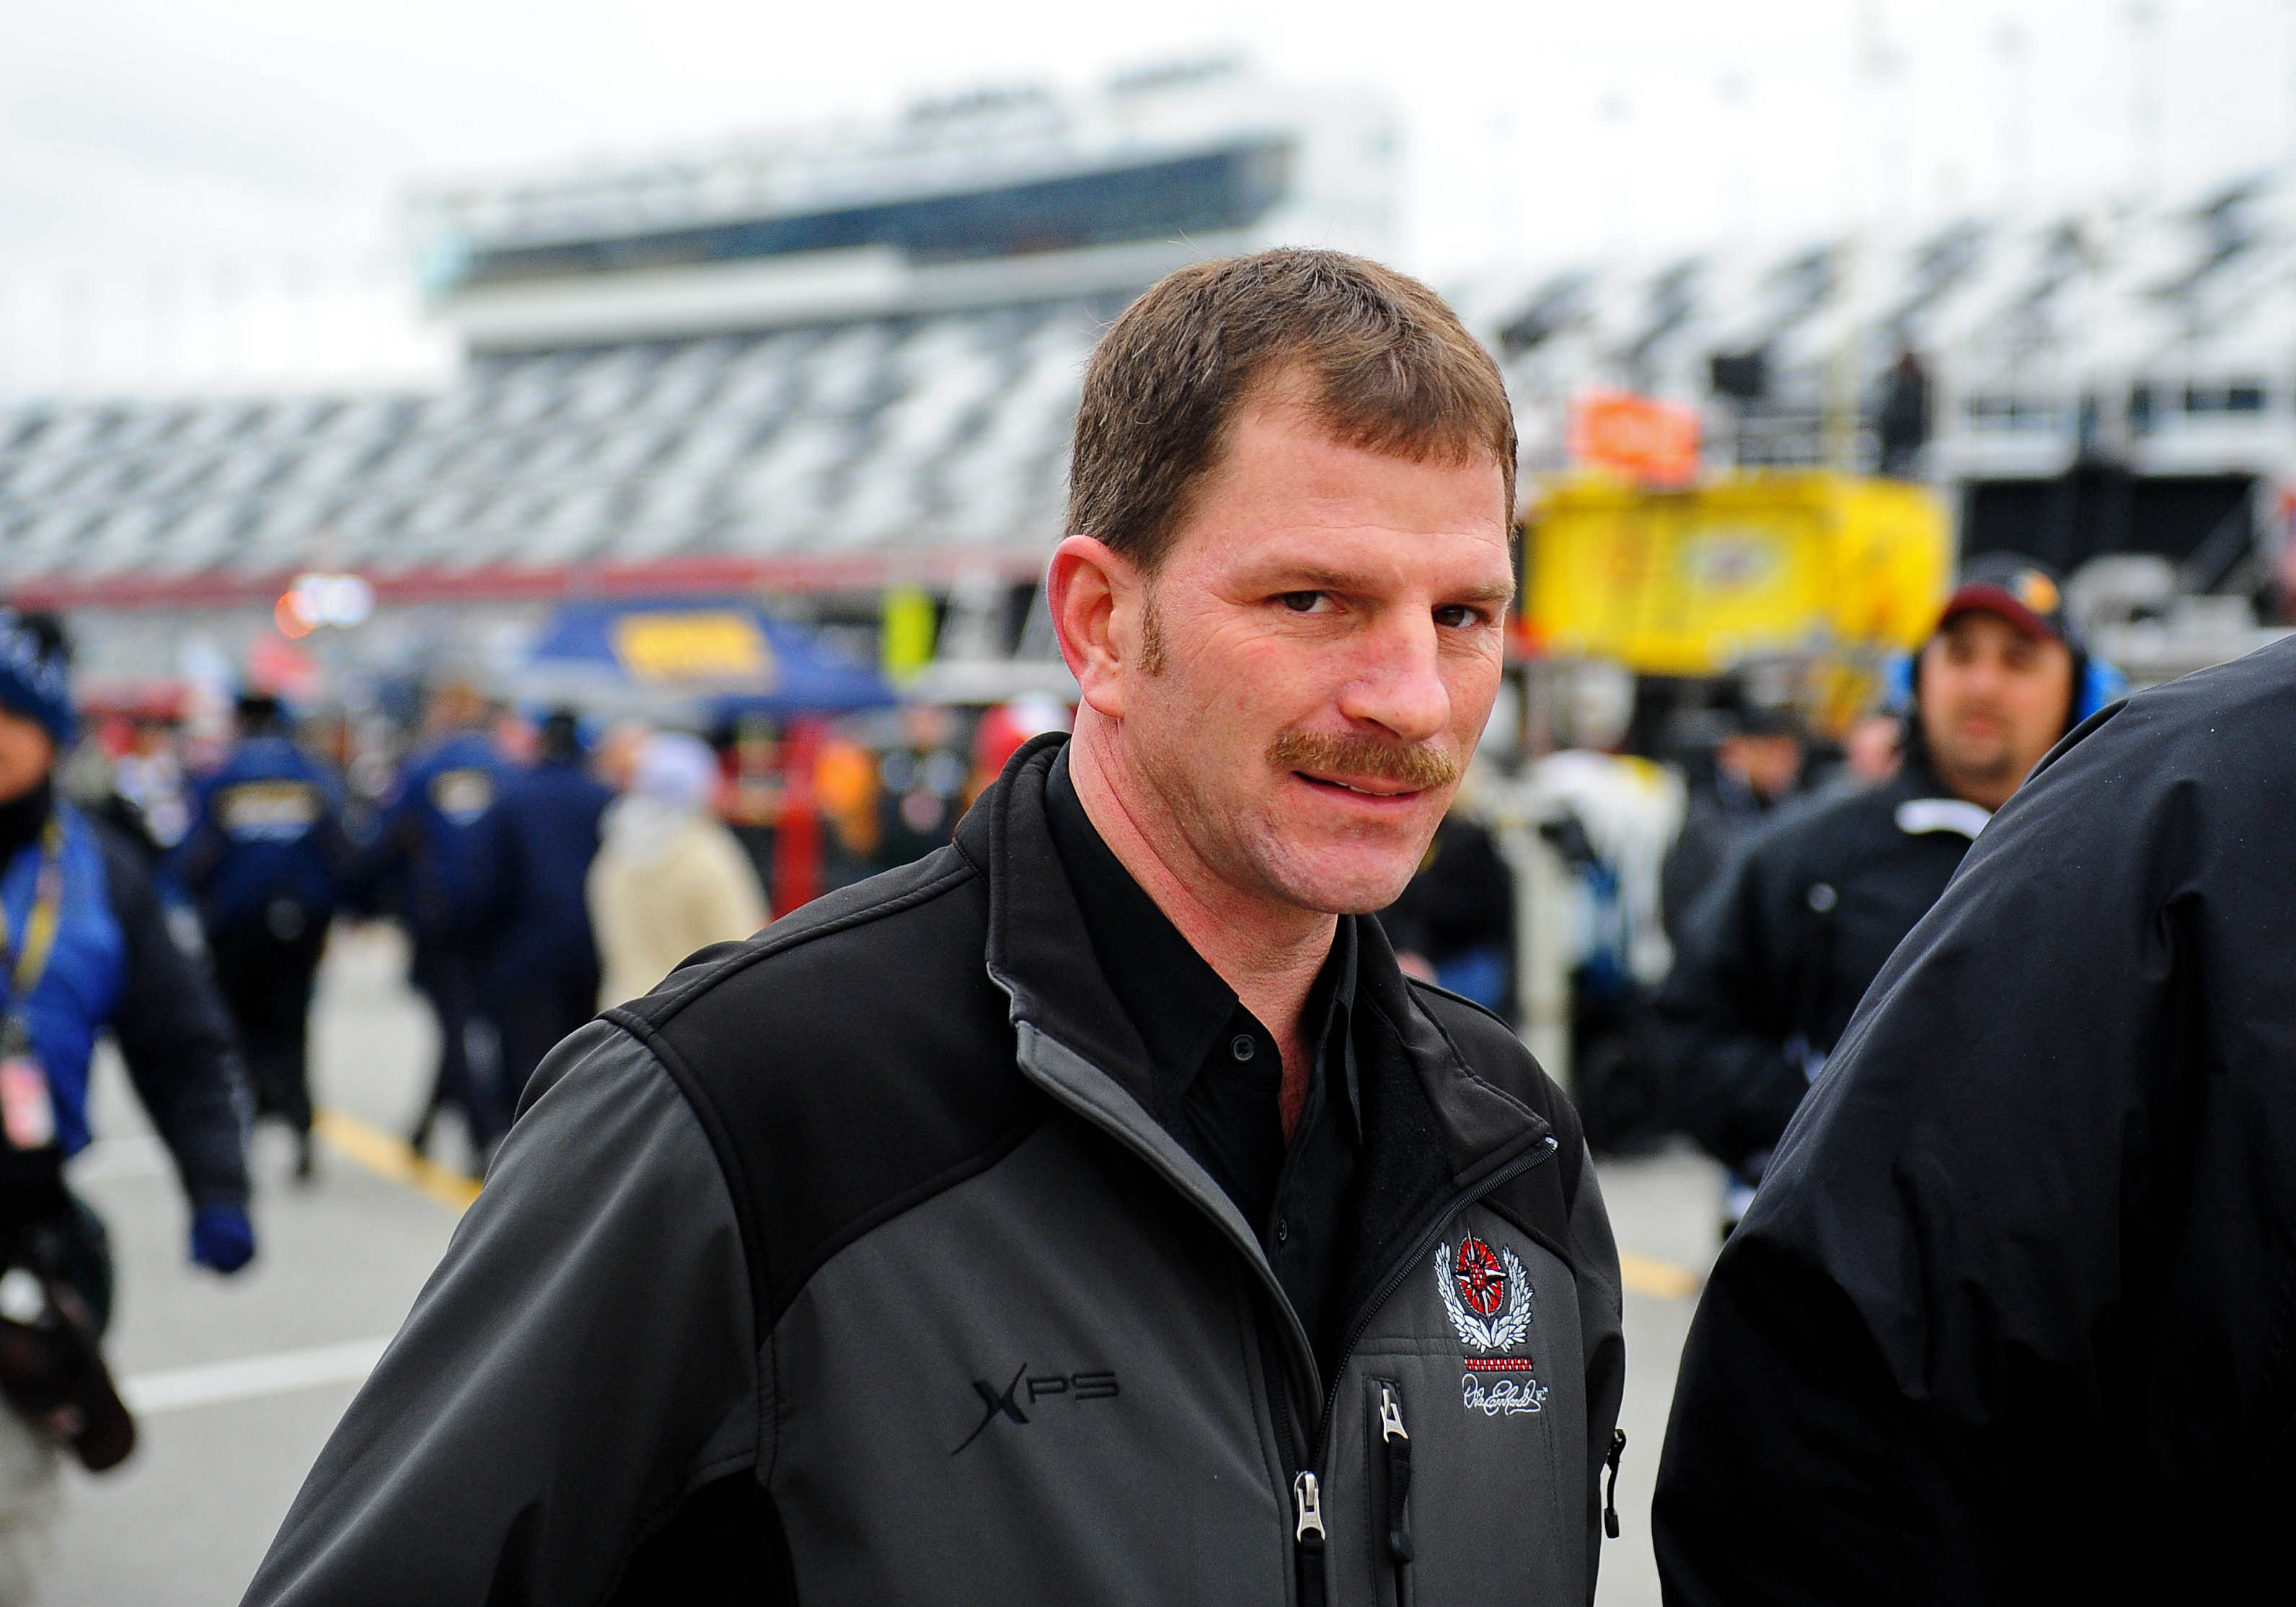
column 1308, row 1496
column 1307, row 1536
column 1611, row 1498
column 1391, row 1415
column 1397, row 1441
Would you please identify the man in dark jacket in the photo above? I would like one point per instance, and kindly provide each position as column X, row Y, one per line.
column 2009, row 1321
column 1753, row 767
column 1771, row 962
column 1455, row 924
column 265, row 860
column 1092, row 1211
column 435, row 858
column 544, row 962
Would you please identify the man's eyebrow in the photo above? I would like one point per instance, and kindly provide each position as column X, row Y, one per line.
column 1309, row 577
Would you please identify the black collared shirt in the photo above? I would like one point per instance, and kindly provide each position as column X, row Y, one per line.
column 1217, row 1076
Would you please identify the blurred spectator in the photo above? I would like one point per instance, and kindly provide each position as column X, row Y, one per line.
column 921, row 784
column 669, row 878
column 1755, row 767
column 1455, row 924
column 1005, row 728
column 845, row 786
column 89, row 951
column 545, row 969
column 146, row 798
column 1609, row 820
column 517, row 739
column 615, row 759
column 265, row 861
column 1869, row 747
column 435, row 863
column 1902, row 420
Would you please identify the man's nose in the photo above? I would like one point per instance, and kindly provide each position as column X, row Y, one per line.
column 1985, row 678
column 1399, row 681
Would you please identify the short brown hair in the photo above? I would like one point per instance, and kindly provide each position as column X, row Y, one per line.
column 1388, row 365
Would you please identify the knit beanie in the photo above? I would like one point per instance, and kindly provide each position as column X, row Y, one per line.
column 36, row 677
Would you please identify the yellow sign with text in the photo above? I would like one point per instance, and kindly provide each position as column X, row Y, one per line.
column 718, row 646
column 1691, row 582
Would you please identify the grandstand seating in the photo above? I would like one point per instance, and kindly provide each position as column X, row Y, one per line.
column 942, row 431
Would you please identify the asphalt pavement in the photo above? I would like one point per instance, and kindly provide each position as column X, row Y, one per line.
column 237, row 1381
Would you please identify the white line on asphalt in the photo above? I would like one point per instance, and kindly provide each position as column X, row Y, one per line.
column 250, row 1377
column 138, row 1155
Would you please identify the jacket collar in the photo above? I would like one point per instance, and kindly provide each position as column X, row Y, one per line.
column 1038, row 950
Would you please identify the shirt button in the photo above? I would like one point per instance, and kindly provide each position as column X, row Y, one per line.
column 1282, row 1230
column 1241, row 1046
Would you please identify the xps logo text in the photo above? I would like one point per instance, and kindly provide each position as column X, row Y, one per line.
column 1006, row 1403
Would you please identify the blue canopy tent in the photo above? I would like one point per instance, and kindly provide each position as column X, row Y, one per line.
column 712, row 656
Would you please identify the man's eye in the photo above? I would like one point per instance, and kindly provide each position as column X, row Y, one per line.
column 1458, row 616
column 1300, row 602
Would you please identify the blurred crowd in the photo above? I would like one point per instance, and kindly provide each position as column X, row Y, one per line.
column 541, row 867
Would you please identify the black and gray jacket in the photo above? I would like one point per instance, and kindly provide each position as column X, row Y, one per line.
column 848, row 1267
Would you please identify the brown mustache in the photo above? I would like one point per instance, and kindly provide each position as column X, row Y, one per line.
column 1363, row 758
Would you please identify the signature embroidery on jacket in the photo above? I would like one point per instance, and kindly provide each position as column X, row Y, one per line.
column 1487, row 1296
column 1505, row 1394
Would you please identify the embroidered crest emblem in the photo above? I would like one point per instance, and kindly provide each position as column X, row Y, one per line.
column 1487, row 1293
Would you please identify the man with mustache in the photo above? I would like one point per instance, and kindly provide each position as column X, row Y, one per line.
column 1776, row 955
column 1091, row 1212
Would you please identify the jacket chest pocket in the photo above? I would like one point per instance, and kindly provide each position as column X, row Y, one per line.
column 1388, row 1460
column 1458, row 1506
column 1467, row 1430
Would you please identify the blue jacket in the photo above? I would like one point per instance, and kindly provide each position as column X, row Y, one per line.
column 266, row 826
column 115, row 966
column 438, row 848
column 547, row 828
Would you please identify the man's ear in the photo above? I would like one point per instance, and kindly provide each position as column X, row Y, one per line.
column 1096, row 596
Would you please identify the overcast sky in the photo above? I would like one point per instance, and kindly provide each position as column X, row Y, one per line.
column 167, row 154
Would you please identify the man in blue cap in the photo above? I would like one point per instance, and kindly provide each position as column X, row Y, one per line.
column 86, row 948
column 265, row 859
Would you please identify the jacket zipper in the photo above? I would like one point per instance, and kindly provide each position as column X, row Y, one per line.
column 1307, row 1536
column 1306, row 1480
column 1395, row 1440
column 1610, row 1494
